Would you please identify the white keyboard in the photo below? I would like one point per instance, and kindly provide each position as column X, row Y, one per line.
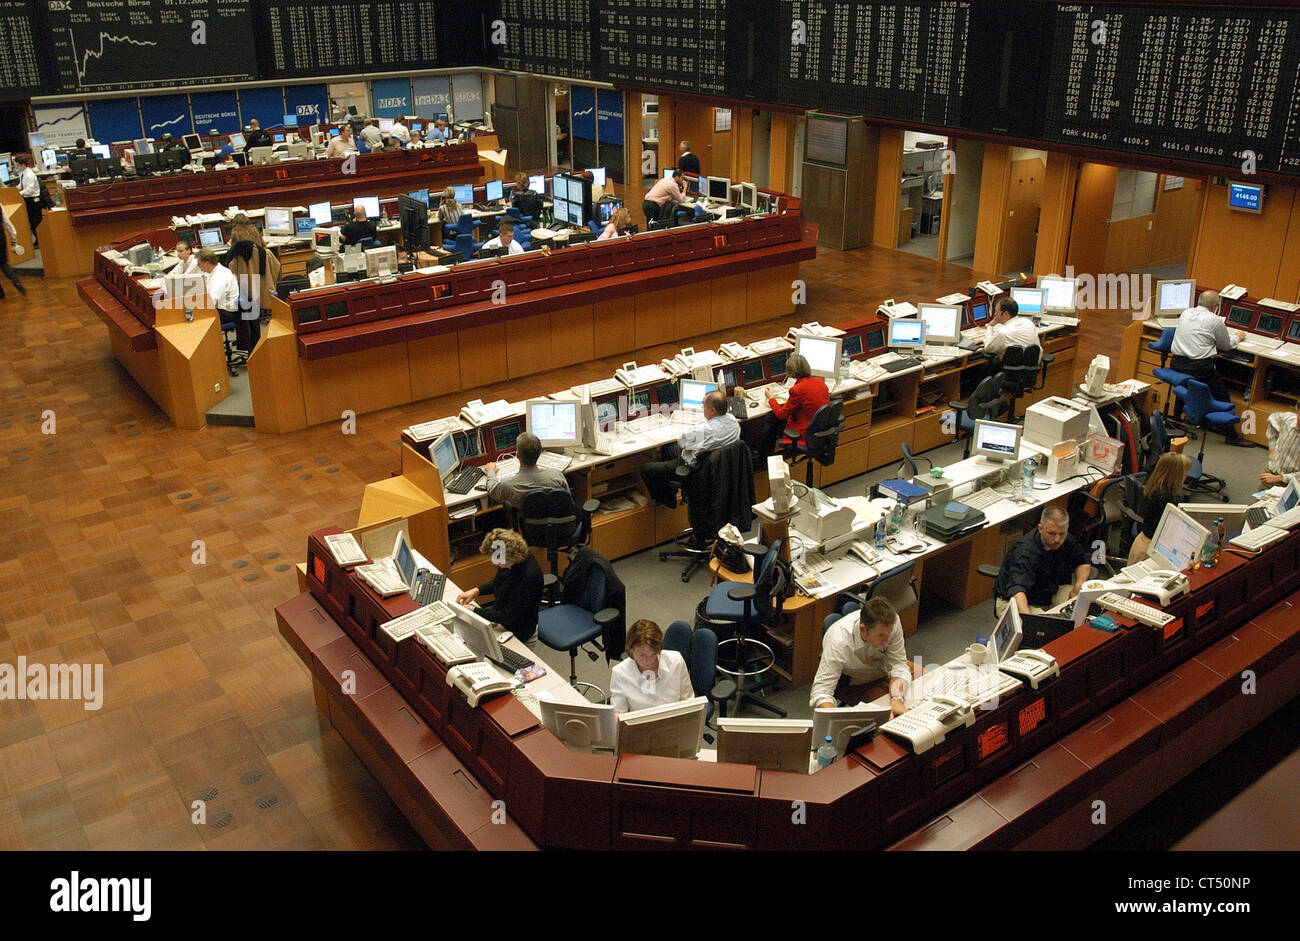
column 867, row 371
column 382, row 576
column 981, row 499
column 1288, row 520
column 1259, row 537
column 687, row 416
column 427, row 431
column 1139, row 570
column 1142, row 613
column 412, row 621
column 553, row 460
column 972, row 685
column 774, row 345
column 345, row 549
column 602, row 387
column 444, row 645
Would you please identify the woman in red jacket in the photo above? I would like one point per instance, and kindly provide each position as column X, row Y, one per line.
column 808, row 394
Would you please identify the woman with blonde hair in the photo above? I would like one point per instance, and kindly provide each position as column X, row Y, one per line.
column 619, row 223
column 516, row 588
column 449, row 212
column 1164, row 486
column 650, row 676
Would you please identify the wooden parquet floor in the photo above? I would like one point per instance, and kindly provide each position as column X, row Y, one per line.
column 201, row 697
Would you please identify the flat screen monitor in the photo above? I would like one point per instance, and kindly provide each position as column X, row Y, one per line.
column 36, row 141
column 1246, row 197
column 693, row 392
column 597, row 175
column 559, row 187
column 719, row 188
column 979, row 312
column 237, row 141
column 822, row 353
column 606, row 414
column 996, row 442
column 326, row 241
column 385, row 124
column 100, row 150
column 1293, row 331
column 334, row 132
column 1029, row 300
column 606, row 208
column 1058, row 293
column 942, row 323
column 49, row 158
column 504, row 436
column 404, row 559
column 192, row 142
column 1178, row 539
column 494, row 190
column 1290, row 496
column 537, row 183
column 320, row 213
column 381, row 262
column 443, row 452
column 582, row 726
column 776, row 365
column 906, row 334
column 4, row 170
column 1239, row 316
column 209, row 237
column 751, row 372
column 369, row 203
column 1208, row 515
column 575, row 191
column 303, row 225
column 852, row 344
column 669, row 171
column 670, row 731
column 769, row 744
column 279, row 221
column 875, row 339
column 465, row 194
column 1269, row 324
column 749, row 196
column 556, row 424
column 277, row 137
column 1174, row 297
column 290, row 120
column 842, row 724
column 420, row 195
column 1007, row 635
column 259, row 156
column 476, row 631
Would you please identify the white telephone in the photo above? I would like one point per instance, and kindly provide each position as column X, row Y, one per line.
column 674, row 367
column 989, row 288
column 771, row 345
column 478, row 680
column 898, row 311
column 633, row 375
column 812, row 329
column 1164, row 586
column 929, row 722
column 1031, row 666
column 865, row 553
column 734, row 351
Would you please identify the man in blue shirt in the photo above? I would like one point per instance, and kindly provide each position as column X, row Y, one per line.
column 718, row 430
column 438, row 132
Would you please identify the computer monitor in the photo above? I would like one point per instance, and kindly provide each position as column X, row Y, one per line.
column 209, row 237
column 606, row 208
column 493, row 191
column 842, row 724
column 582, row 726
column 279, row 221
column 476, row 631
column 49, row 158
column 404, row 559
column 1174, row 297
column 381, row 262
column 1239, row 316
column 749, row 196
column 87, row 169
column 769, row 744
column 417, row 125
column 995, row 442
column 193, row 142
column 775, row 365
column 906, row 335
column 1007, row 635
column 669, row 171
column 576, row 194
column 421, row 195
column 823, row 354
column 556, row 424
column 942, row 323
column 465, row 194
column 597, row 175
column 443, row 453
column 335, row 132
column 691, row 393
column 320, row 212
column 670, row 731
column 504, row 436
column 719, row 188
column 258, row 156
column 326, row 241
column 1029, row 300
column 101, row 150
column 369, row 203
column 1290, row 496
column 277, row 137
column 1178, row 539
column 1208, row 515
column 237, row 141
column 290, row 120
column 537, row 183
column 1058, row 293
column 385, row 124
column 852, row 345
column 1269, row 324
column 979, row 312
column 303, row 225
column 36, row 141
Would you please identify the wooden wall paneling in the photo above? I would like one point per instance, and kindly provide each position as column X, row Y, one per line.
column 1175, row 220
column 528, row 345
column 1128, row 243
column 1093, row 197
column 888, row 193
column 1055, row 213
column 275, row 380
column 654, row 317
column 434, row 363
column 482, row 355
column 383, row 377
column 727, row 302
column 1024, row 197
column 194, row 367
column 769, row 293
column 995, row 177
column 1288, row 274
column 572, row 336
column 742, row 144
column 1244, row 248
column 328, row 388
column 781, row 148
column 691, row 308
column 614, row 326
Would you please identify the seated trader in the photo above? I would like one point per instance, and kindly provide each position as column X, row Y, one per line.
column 1198, row 338
column 449, row 211
column 1283, row 448
column 256, row 137
column 808, row 394
column 371, row 136
column 649, row 675
column 81, row 150
column 663, row 198
column 186, row 262
column 223, row 287
column 512, row 490
column 360, row 231
column 525, row 200
column 1043, row 568
column 1008, row 328
column 417, row 141
column 505, row 238
column 342, row 145
column 1163, row 487
column 862, row 659
column 516, row 587
column 619, row 223
column 400, row 132
column 718, row 430
column 438, row 132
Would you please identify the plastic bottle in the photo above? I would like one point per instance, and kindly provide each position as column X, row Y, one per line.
column 1027, row 478
column 882, row 530
column 1222, row 540
column 896, row 518
column 826, row 753
column 844, row 368
column 1210, row 551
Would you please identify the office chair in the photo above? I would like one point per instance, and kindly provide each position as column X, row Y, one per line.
column 1170, row 377
column 1160, row 442
column 821, row 438
column 909, row 462
column 1021, row 366
column 1208, row 414
column 464, row 245
column 897, row 586
column 465, row 225
column 718, row 490
column 743, row 610
column 233, row 356
column 700, row 651
column 845, row 607
column 567, row 627
column 549, row 520
column 1105, row 515
column 596, row 227
column 986, row 403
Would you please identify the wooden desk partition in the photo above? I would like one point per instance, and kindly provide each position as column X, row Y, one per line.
column 1116, row 727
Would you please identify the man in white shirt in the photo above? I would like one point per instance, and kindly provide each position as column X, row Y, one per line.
column 10, row 238
column 1283, row 447
column 663, row 198
column 29, row 188
column 371, row 136
column 400, row 132
column 505, row 238
column 342, row 145
column 223, row 286
column 1008, row 328
column 718, row 430
column 1198, row 338
column 862, row 659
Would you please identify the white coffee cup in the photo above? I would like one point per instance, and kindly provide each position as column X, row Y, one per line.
column 978, row 653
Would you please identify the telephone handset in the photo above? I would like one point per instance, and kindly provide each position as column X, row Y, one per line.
column 1031, row 666
column 734, row 351
column 674, row 367
column 866, row 554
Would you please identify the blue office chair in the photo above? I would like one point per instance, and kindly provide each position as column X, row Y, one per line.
column 844, row 608
column 596, row 227
column 1206, row 413
column 568, row 626
column 1171, row 377
column 700, row 651
column 464, row 244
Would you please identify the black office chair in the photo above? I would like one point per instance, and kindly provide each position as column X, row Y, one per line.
column 549, row 519
column 718, row 490
column 821, row 438
column 234, row 358
column 986, row 403
column 909, row 460
column 1021, row 368
column 1106, row 514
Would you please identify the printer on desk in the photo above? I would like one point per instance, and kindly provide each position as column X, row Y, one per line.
column 1054, row 420
column 826, row 523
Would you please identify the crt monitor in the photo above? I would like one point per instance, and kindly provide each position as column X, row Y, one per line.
column 443, row 452
column 906, row 334
column 556, row 424
column 1007, row 635
column 597, row 175
column 303, row 225
column 769, row 744
column 209, row 237
column 369, row 203
column 537, row 183
column 1058, row 293
column 719, row 188
column 693, row 392
column 385, row 124
column 494, row 190
column 942, row 323
column 822, row 353
column 326, row 241
column 843, row 723
column 1174, row 297
column 320, row 212
column 279, row 221
column 465, row 194
column 1029, row 300
column 670, row 731
column 192, row 142
column 476, row 631
column 582, row 726
column 749, row 196
column 381, row 262
column 996, row 442
column 606, row 208
column 1178, row 539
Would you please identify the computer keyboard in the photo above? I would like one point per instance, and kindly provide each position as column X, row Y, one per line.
column 1288, row 520
column 511, row 660
column 429, row 587
column 773, row 345
column 981, row 499
column 906, row 362
column 382, row 576
column 553, row 460
column 1139, row 570
column 1132, row 608
column 865, row 371
column 463, row 480
column 414, row 621
column 972, row 685
column 1258, row 538
column 687, row 416
column 444, row 645
column 528, row 699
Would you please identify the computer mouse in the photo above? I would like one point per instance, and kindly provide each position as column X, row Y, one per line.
column 1122, row 579
column 504, row 636
column 481, row 485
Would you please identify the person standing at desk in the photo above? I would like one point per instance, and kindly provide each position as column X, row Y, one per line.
column 808, row 394
column 650, row 675
column 619, row 223
column 7, row 238
column 360, row 231
column 718, row 429
column 687, row 162
column 530, row 478
column 371, row 136
column 342, row 145
column 256, row 137
column 505, row 239
column 1163, row 487
column 1198, row 338
column 400, row 132
column 863, row 658
column 257, row 271
column 516, row 588
column 29, row 188
column 525, row 200
column 663, row 198
column 1283, row 447
column 1043, row 568
column 449, row 211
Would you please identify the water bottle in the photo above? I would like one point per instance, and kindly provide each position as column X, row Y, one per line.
column 882, row 531
column 826, row 754
column 1210, row 551
column 896, row 518
column 1223, row 537
column 844, row 368
column 1027, row 478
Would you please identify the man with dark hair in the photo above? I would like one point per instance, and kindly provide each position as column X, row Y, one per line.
column 1043, row 568
column 81, row 150
column 862, row 659
column 663, row 198
column 1008, row 328
column 510, row 491
column 29, row 188
column 504, row 240
column 718, row 429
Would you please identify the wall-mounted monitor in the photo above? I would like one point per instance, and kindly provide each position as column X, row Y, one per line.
column 1246, row 197
column 826, row 140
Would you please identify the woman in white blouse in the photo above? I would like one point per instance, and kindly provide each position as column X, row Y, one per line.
column 650, row 676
